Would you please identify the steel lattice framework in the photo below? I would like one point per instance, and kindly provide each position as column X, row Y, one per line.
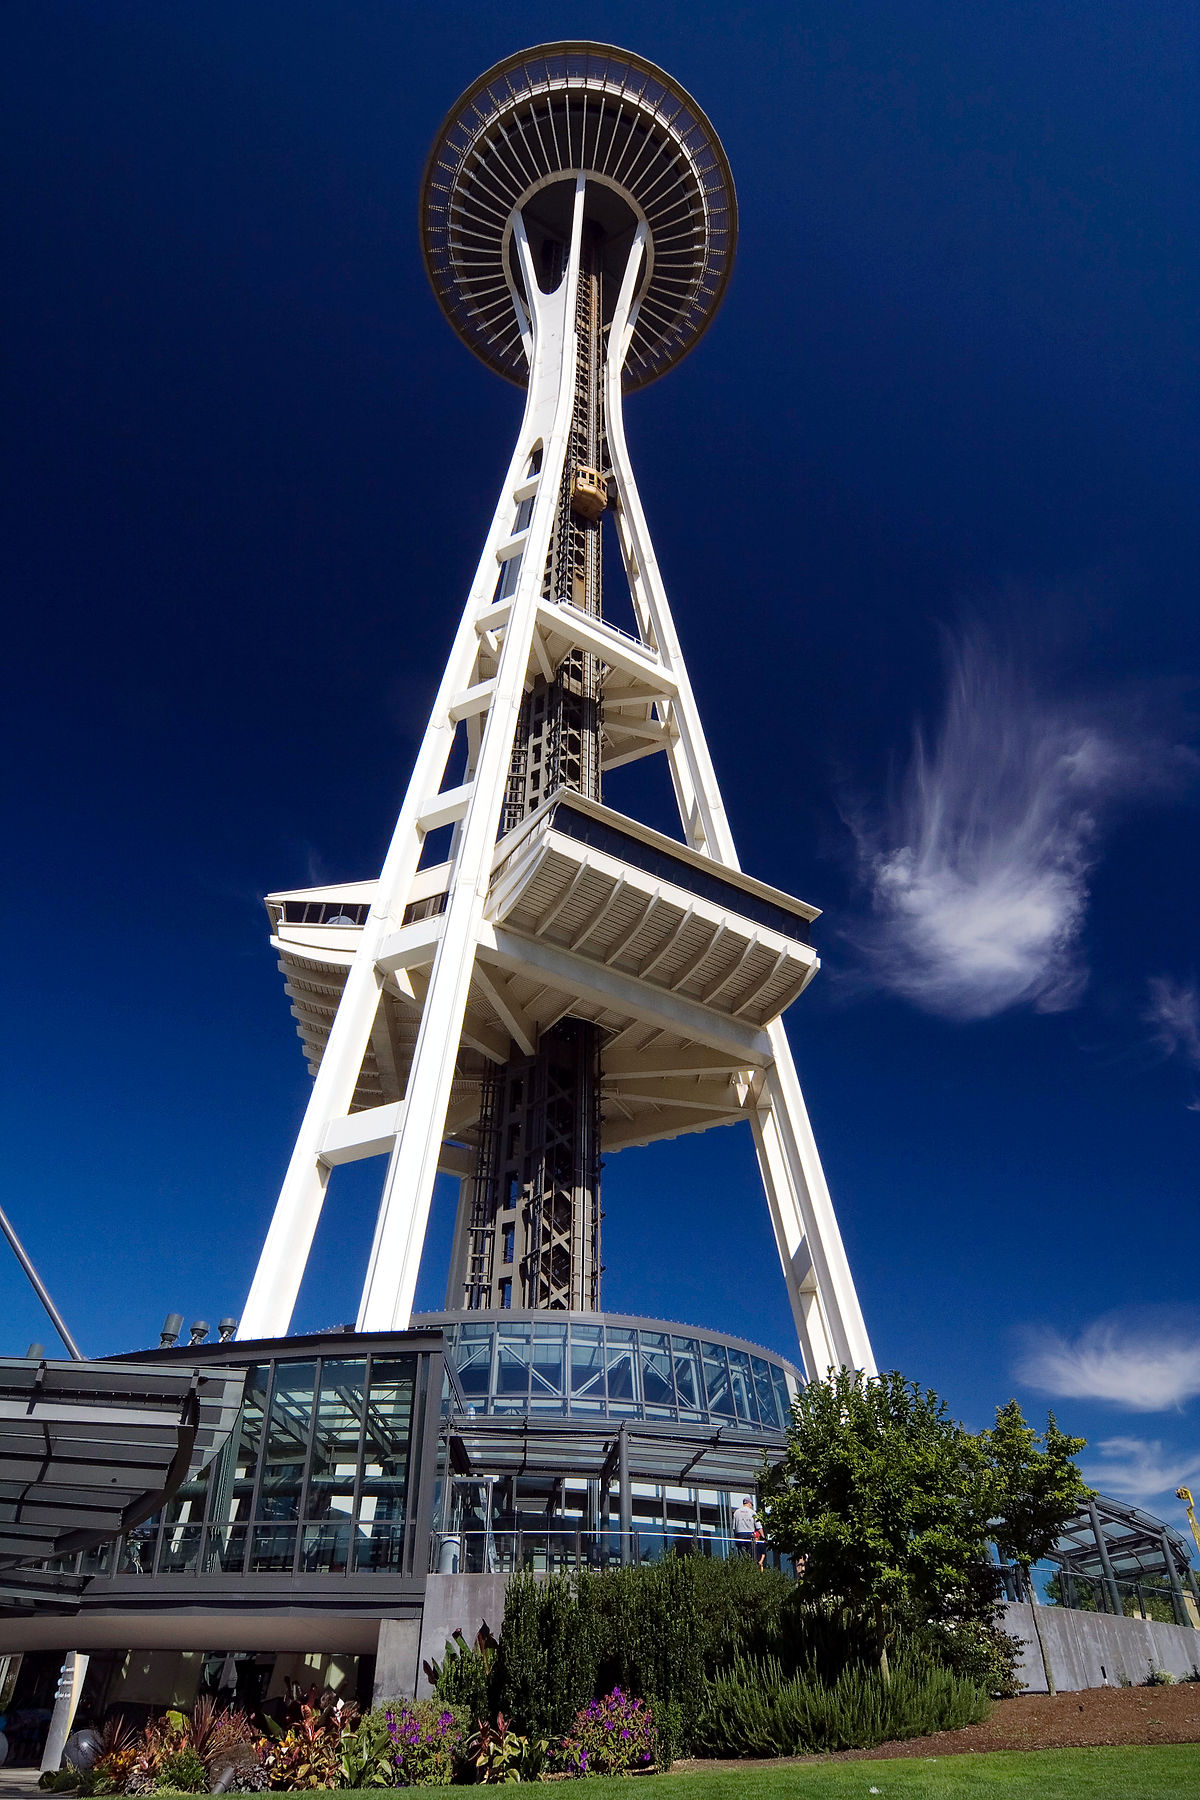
column 556, row 981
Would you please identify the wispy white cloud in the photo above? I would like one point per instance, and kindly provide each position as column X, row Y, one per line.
column 979, row 872
column 1141, row 1365
column 1173, row 1014
column 1140, row 1469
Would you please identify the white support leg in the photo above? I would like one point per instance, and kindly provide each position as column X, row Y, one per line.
column 408, row 1187
column 276, row 1284
column 824, row 1302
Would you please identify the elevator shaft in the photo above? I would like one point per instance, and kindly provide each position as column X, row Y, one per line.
column 531, row 1236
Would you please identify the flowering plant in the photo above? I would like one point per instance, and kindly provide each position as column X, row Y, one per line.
column 613, row 1736
column 426, row 1736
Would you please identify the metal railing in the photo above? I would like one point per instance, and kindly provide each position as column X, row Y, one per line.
column 1149, row 1597
column 558, row 1548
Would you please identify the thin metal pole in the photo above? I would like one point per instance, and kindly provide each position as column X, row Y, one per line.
column 39, row 1287
column 625, row 1492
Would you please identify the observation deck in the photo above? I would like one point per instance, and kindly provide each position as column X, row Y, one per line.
column 516, row 140
column 680, row 960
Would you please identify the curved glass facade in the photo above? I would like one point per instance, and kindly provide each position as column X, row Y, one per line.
column 356, row 1456
column 605, row 1366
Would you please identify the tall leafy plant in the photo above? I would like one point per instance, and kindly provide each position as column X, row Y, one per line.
column 886, row 1498
column 1036, row 1488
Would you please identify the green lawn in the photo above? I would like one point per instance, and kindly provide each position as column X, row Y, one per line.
column 1138, row 1773
column 1153, row 1772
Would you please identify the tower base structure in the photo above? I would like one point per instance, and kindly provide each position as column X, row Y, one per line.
column 379, row 1488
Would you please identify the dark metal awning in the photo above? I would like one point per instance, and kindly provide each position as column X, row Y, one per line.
column 670, row 1453
column 89, row 1449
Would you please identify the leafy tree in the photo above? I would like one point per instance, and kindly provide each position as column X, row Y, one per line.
column 888, row 1501
column 1036, row 1488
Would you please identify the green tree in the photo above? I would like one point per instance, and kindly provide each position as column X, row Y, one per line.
column 888, row 1501
column 1036, row 1488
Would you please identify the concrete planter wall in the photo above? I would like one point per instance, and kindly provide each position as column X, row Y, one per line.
column 1097, row 1649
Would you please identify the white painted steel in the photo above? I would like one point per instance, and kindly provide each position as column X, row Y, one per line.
column 716, row 1068
column 825, row 1305
column 408, row 1186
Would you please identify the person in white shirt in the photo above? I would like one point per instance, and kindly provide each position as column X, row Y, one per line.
column 744, row 1526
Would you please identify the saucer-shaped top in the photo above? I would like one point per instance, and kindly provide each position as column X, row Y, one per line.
column 514, row 141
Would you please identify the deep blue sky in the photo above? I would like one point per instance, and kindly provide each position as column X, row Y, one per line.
column 932, row 469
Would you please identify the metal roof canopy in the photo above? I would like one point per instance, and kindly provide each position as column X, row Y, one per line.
column 674, row 1454
column 90, row 1449
column 1135, row 1542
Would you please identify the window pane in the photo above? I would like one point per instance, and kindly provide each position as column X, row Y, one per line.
column 768, row 1410
column 288, row 1427
column 687, row 1376
column 235, row 1468
column 656, row 1374
column 587, row 1363
column 378, row 1547
column 473, row 1361
column 179, row 1551
column 387, row 1439
column 226, row 1548
column 620, row 1369
column 739, row 1376
column 335, row 1438
column 512, row 1360
column 716, row 1380
column 137, row 1551
column 325, row 1548
column 549, row 1349
column 273, row 1549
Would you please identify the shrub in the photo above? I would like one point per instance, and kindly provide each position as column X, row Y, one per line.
column 463, row 1677
column 495, row 1753
column 426, row 1738
column 755, row 1709
column 982, row 1654
column 183, row 1771
column 366, row 1758
column 546, row 1667
column 613, row 1736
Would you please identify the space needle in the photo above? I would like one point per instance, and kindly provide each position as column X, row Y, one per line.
column 536, row 981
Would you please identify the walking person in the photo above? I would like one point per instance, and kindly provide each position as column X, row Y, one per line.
column 744, row 1527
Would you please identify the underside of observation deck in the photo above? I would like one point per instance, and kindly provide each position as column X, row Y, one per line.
column 679, row 961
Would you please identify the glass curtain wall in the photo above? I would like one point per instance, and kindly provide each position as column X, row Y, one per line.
column 603, row 1370
column 316, row 1479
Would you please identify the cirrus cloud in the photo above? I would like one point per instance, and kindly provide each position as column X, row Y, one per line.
column 1139, row 1469
column 1150, row 1366
column 978, row 873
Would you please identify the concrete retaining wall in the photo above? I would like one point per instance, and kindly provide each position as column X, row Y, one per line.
column 1097, row 1649
column 457, row 1603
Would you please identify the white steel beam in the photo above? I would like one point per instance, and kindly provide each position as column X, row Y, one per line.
column 597, row 984
column 368, row 1133
column 408, row 1185
column 824, row 1300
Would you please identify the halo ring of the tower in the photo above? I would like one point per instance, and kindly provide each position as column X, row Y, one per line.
column 540, row 118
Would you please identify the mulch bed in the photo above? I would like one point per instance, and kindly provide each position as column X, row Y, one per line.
column 1163, row 1715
